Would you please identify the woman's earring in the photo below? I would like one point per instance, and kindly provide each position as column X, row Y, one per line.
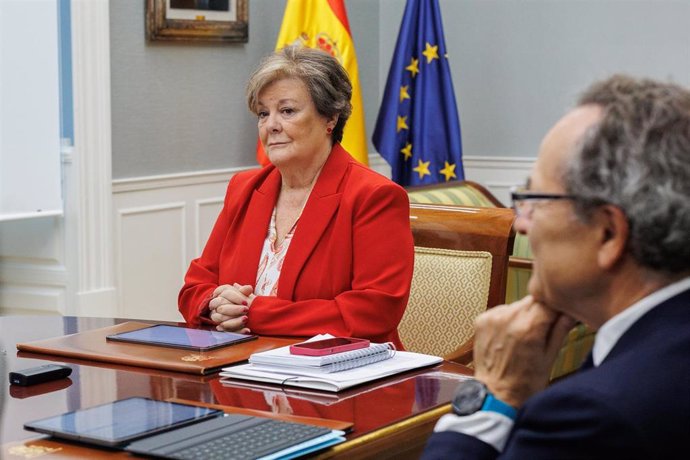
column 329, row 130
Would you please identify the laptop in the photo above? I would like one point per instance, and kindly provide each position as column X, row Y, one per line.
column 172, row 430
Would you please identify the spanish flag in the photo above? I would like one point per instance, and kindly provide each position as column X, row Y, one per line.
column 323, row 24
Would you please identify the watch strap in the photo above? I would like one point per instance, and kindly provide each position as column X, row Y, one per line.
column 493, row 404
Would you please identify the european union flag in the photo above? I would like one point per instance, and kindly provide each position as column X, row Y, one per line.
column 418, row 128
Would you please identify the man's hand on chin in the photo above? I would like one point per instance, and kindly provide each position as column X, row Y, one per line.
column 516, row 346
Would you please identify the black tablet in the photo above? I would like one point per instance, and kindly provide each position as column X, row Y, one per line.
column 181, row 337
column 116, row 424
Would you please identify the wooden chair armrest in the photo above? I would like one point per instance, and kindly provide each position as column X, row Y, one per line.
column 519, row 262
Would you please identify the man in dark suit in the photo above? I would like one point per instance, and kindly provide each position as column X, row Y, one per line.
column 607, row 214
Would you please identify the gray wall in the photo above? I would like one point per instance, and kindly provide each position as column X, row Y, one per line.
column 179, row 107
column 517, row 66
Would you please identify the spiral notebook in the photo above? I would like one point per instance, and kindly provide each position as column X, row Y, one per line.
column 330, row 363
column 317, row 378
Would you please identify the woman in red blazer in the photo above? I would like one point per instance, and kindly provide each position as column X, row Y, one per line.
column 315, row 242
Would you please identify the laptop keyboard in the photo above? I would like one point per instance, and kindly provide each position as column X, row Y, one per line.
column 254, row 442
column 235, row 437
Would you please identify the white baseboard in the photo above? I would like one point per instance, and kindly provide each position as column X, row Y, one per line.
column 37, row 285
column 32, row 298
column 97, row 303
column 31, row 271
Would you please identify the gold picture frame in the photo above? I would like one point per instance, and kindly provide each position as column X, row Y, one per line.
column 198, row 20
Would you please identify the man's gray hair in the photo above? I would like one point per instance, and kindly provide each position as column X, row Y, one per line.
column 637, row 157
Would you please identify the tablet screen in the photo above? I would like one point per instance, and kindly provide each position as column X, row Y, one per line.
column 181, row 337
column 119, row 422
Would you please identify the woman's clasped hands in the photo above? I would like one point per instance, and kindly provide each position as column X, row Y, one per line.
column 229, row 306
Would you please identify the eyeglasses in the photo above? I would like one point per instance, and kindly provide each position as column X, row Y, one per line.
column 523, row 200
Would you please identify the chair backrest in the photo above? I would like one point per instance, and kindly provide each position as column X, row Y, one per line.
column 461, row 265
column 449, row 289
column 462, row 193
column 467, row 228
column 469, row 193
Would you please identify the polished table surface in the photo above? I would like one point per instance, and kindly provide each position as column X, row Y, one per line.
column 390, row 415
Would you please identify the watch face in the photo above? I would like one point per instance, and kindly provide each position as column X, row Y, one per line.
column 469, row 397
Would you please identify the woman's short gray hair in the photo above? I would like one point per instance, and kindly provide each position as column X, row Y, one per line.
column 637, row 157
column 326, row 80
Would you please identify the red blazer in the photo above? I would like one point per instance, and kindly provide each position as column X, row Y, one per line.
column 349, row 266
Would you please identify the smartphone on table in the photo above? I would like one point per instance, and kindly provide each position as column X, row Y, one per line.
column 328, row 346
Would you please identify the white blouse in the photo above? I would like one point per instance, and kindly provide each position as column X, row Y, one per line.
column 271, row 261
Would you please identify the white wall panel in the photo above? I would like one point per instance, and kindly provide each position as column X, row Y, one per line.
column 207, row 211
column 151, row 256
column 162, row 223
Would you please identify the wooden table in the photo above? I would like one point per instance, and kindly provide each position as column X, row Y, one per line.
column 391, row 417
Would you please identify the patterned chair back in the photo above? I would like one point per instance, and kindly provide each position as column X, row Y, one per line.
column 461, row 265
column 449, row 289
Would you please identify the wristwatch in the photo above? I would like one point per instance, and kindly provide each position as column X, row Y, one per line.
column 472, row 396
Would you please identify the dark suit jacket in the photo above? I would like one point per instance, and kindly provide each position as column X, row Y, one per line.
column 349, row 266
column 635, row 404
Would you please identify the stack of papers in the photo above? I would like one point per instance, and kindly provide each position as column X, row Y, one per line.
column 324, row 398
column 303, row 376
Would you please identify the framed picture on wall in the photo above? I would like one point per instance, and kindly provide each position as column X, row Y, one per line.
column 197, row 20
